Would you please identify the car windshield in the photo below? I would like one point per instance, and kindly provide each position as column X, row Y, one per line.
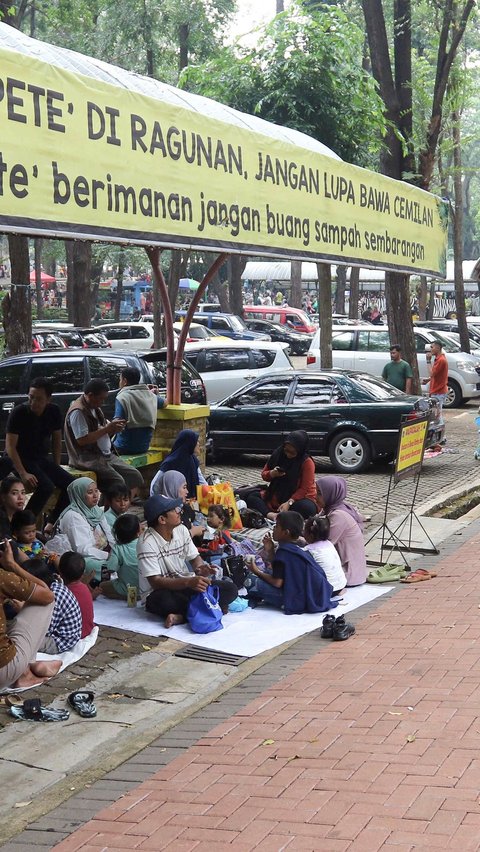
column 448, row 344
column 376, row 388
column 237, row 323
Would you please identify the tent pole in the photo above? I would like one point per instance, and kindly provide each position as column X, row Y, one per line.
column 211, row 271
column 158, row 277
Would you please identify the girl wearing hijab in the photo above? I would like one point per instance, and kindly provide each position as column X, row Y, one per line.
column 346, row 527
column 84, row 525
column 290, row 473
column 182, row 459
column 173, row 484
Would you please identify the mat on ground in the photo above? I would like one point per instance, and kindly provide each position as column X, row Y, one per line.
column 68, row 657
column 246, row 633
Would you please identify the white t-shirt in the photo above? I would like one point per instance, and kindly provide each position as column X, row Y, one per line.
column 80, row 429
column 158, row 557
column 326, row 556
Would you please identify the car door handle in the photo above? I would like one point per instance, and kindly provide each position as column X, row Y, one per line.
column 335, row 416
column 7, row 406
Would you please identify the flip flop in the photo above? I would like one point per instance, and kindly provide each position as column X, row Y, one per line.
column 82, row 703
column 33, row 711
column 419, row 576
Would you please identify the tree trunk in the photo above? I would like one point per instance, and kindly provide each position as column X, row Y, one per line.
column 236, row 265
column 174, row 275
column 17, row 306
column 38, row 276
column 399, row 315
column 183, row 33
column 422, row 294
column 458, row 233
column 280, row 8
column 296, row 283
column 324, row 271
column 220, row 288
column 82, row 264
column 354, row 292
column 70, row 280
column 431, row 301
column 119, row 293
column 340, row 289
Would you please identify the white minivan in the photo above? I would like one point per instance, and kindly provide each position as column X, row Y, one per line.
column 226, row 365
column 367, row 348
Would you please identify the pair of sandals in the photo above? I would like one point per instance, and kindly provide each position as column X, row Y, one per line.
column 387, row 574
column 392, row 573
column 32, row 709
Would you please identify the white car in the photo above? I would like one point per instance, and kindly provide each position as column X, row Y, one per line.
column 226, row 365
column 368, row 349
column 128, row 335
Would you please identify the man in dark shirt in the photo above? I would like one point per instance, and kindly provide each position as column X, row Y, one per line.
column 32, row 429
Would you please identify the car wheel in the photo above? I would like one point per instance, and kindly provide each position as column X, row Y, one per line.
column 453, row 397
column 350, row 452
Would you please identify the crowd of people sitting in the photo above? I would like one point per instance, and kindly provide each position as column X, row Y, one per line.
column 102, row 540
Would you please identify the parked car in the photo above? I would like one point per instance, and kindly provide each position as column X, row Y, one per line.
column 293, row 317
column 81, row 338
column 198, row 332
column 69, row 370
column 226, row 365
column 352, row 417
column 367, row 348
column 228, row 325
column 128, row 335
column 451, row 326
column 298, row 342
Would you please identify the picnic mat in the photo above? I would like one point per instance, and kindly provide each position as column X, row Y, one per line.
column 245, row 633
column 68, row 657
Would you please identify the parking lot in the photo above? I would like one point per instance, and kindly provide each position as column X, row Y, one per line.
column 368, row 490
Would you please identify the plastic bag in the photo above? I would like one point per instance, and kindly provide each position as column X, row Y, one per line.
column 204, row 614
column 220, row 494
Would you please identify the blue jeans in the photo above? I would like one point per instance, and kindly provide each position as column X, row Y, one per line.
column 269, row 594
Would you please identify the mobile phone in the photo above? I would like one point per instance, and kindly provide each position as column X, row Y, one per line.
column 280, row 469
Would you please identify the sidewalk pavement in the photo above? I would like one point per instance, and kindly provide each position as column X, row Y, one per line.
column 365, row 745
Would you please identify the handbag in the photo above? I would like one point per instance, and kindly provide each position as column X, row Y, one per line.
column 204, row 614
column 220, row 494
column 252, row 519
column 235, row 569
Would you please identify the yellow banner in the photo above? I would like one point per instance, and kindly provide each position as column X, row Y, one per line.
column 411, row 447
column 79, row 157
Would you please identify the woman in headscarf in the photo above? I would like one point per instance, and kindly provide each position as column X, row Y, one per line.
column 172, row 483
column 290, row 473
column 182, row 459
column 84, row 525
column 346, row 527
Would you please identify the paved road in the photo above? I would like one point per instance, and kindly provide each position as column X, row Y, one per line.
column 368, row 490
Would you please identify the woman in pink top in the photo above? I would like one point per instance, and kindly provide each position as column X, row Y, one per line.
column 346, row 527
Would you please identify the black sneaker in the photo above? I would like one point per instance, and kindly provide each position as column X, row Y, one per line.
column 342, row 630
column 327, row 627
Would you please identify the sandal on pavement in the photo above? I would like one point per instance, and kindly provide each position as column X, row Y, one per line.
column 419, row 575
column 82, row 703
column 386, row 574
column 33, row 711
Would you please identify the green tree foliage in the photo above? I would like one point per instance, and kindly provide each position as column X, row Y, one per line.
column 306, row 73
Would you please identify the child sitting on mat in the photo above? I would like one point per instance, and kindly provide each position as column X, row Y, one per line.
column 122, row 559
column 71, row 568
column 296, row 584
column 118, row 498
column 316, row 532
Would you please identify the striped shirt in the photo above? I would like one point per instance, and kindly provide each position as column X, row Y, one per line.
column 158, row 557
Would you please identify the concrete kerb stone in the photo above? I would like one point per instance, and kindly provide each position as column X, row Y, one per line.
column 275, row 664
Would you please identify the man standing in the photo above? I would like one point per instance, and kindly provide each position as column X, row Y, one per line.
column 398, row 372
column 137, row 405
column 438, row 372
column 167, row 583
column 88, row 439
column 33, row 428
